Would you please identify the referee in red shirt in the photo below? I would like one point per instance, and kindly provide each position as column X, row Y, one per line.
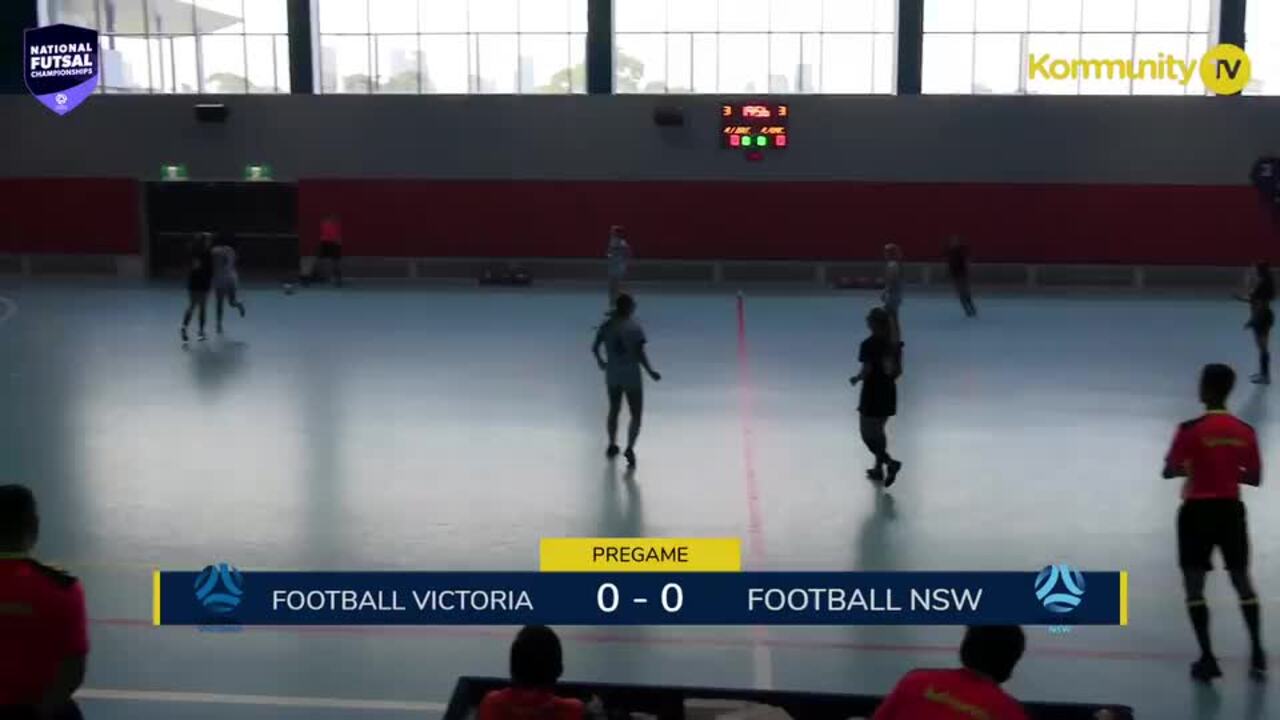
column 1216, row 453
column 43, row 635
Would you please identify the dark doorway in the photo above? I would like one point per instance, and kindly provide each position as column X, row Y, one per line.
column 260, row 217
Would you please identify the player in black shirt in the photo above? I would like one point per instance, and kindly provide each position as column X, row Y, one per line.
column 199, row 281
column 1262, row 292
column 958, row 269
column 881, row 359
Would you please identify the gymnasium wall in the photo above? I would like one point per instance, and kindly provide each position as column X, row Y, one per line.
column 1047, row 179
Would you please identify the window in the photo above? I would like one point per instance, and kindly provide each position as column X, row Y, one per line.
column 451, row 46
column 1066, row 47
column 1262, row 42
column 755, row 46
column 192, row 46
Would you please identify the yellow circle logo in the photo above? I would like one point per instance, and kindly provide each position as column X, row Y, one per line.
column 1225, row 69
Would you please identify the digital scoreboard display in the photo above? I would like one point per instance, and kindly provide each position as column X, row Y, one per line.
column 754, row 125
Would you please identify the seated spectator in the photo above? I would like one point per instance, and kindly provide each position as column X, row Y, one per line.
column 43, row 633
column 536, row 665
column 988, row 654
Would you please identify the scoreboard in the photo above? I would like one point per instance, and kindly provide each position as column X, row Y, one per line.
column 754, row 125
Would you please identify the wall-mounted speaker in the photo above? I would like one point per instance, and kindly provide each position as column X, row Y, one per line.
column 668, row 117
column 211, row 112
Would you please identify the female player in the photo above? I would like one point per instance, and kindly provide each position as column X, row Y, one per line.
column 199, row 279
column 958, row 269
column 881, row 358
column 226, row 281
column 1262, row 292
column 618, row 253
column 623, row 340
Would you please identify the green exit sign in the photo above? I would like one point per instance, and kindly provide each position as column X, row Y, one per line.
column 174, row 172
column 257, row 172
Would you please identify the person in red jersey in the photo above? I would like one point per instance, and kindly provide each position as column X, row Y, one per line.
column 330, row 251
column 1216, row 453
column 536, row 665
column 989, row 654
column 43, row 631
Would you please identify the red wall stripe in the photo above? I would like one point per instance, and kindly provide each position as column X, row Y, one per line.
column 1148, row 224
column 70, row 215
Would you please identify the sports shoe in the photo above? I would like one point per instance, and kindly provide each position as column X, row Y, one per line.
column 1205, row 669
column 1260, row 379
column 611, row 452
column 185, row 338
column 1258, row 667
column 875, row 474
column 892, row 474
column 202, row 337
column 240, row 307
column 630, row 455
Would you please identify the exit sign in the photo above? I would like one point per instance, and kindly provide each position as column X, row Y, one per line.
column 174, row 172
column 257, row 172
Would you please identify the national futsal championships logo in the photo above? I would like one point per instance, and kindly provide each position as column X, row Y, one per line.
column 219, row 588
column 1060, row 588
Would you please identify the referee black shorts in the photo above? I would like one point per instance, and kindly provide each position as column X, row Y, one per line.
column 1206, row 524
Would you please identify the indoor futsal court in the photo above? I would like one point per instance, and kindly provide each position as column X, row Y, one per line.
column 396, row 427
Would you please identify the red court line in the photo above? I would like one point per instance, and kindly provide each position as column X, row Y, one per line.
column 722, row 641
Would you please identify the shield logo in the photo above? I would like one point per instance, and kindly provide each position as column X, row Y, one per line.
column 61, row 65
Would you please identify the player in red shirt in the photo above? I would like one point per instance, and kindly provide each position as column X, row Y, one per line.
column 330, row 250
column 1216, row 453
column 43, row 632
column 989, row 654
column 536, row 665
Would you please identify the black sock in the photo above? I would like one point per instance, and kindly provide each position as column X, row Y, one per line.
column 1265, row 362
column 1199, row 613
column 1253, row 620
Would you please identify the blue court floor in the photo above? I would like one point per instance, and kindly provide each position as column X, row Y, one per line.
column 396, row 427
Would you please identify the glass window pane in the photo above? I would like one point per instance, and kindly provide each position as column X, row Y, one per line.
column 948, row 64
column 344, row 64
column 494, row 16
column 186, row 78
column 848, row 15
column 631, row 16
column 809, row 74
column 1148, row 47
column 886, row 16
column 795, row 15
column 1109, row 15
column 73, row 12
column 1262, row 41
column 578, row 60
column 744, row 16
column 283, row 81
column 1107, row 46
column 1001, row 15
column 125, row 65
column 886, row 61
column 578, row 16
column 170, row 18
column 224, row 17
column 706, row 63
column 114, row 21
column 343, row 16
column 641, row 63
column 1057, row 46
column 544, row 61
column 223, row 63
column 1197, row 46
column 261, row 16
column 691, row 14
column 744, row 63
column 262, row 68
column 679, row 63
column 1055, row 15
column 442, row 16
column 997, row 64
column 393, row 16
column 846, row 63
column 948, row 15
column 784, row 62
column 444, row 64
column 1164, row 15
column 544, row 16
column 1201, row 15
column 397, row 63
column 499, row 63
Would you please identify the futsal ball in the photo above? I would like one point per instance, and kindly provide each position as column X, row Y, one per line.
column 288, row 288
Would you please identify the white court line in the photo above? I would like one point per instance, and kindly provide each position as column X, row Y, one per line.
column 259, row 700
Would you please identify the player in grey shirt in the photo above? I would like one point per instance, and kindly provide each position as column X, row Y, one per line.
column 623, row 340
column 892, row 294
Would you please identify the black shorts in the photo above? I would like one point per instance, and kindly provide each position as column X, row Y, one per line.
column 1206, row 524
column 331, row 251
column 1262, row 320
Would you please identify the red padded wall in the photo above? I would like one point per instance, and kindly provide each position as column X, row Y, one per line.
column 70, row 215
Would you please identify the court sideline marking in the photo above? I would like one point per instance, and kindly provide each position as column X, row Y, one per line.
column 8, row 308
column 761, row 655
column 259, row 700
